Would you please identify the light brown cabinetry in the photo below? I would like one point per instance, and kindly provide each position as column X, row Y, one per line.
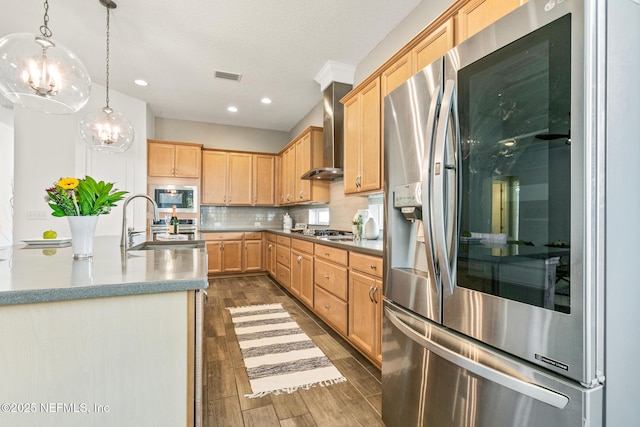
column 264, row 188
column 252, row 252
column 299, row 156
column 283, row 261
column 170, row 159
column 237, row 178
column 365, row 304
column 224, row 252
column 475, row 15
column 330, row 286
column 362, row 142
column 396, row 74
column 433, row 46
column 227, row 178
column 302, row 270
column 270, row 254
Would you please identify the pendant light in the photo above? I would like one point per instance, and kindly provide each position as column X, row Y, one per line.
column 104, row 129
column 41, row 74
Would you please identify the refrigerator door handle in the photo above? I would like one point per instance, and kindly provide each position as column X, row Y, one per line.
column 444, row 206
column 427, row 221
column 528, row 389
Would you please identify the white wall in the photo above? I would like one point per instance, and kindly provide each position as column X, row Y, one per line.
column 48, row 147
column 220, row 136
column 6, row 176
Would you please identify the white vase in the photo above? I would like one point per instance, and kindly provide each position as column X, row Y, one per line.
column 83, row 228
column 371, row 230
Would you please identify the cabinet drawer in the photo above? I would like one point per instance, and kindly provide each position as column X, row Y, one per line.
column 285, row 241
column 283, row 275
column 283, row 255
column 273, row 238
column 332, row 278
column 339, row 256
column 366, row 263
column 302, row 246
column 223, row 236
column 253, row 235
column 332, row 309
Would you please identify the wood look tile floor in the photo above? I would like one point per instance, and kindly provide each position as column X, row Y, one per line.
column 355, row 402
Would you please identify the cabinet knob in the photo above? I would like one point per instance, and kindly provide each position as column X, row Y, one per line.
column 301, row 194
column 326, row 254
column 326, row 277
column 373, row 267
column 299, row 259
column 270, row 248
column 327, row 307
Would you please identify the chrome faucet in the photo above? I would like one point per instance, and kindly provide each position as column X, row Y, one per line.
column 129, row 233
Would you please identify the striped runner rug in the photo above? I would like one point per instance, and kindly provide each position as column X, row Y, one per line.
column 278, row 355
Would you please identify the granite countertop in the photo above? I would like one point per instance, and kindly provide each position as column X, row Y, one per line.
column 30, row 274
column 371, row 247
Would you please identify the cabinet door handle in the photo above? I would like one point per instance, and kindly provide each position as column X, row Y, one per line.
column 370, row 292
column 301, row 194
column 373, row 266
column 326, row 254
column 326, row 306
column 270, row 248
column 299, row 259
column 375, row 293
column 326, row 277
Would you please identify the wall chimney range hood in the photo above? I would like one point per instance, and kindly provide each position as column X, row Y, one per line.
column 333, row 134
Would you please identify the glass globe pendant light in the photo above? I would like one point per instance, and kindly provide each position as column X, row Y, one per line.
column 40, row 74
column 104, row 129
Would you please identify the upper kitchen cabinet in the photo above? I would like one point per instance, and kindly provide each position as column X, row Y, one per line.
column 362, row 142
column 214, row 177
column 475, row 15
column 169, row 159
column 264, row 175
column 396, row 74
column 432, row 46
column 299, row 156
column 237, row 178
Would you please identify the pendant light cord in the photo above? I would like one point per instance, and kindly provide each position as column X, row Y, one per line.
column 44, row 29
column 108, row 36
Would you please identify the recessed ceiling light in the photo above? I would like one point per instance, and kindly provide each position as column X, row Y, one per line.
column 265, row 101
column 232, row 109
column 141, row 82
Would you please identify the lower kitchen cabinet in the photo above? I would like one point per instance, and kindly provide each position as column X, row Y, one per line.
column 283, row 261
column 330, row 286
column 224, row 252
column 302, row 270
column 365, row 304
column 270, row 255
column 331, row 309
column 252, row 252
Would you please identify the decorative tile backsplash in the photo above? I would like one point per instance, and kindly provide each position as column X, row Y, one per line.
column 341, row 212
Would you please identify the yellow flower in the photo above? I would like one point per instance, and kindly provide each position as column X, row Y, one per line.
column 67, row 183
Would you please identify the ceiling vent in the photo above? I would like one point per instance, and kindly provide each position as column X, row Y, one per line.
column 228, row 76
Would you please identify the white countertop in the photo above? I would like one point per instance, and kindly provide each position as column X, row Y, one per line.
column 31, row 274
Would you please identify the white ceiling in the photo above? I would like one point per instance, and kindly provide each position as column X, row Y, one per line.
column 277, row 45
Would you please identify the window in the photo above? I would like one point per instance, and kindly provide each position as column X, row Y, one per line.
column 319, row 216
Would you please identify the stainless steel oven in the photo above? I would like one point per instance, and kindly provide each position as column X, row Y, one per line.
column 183, row 197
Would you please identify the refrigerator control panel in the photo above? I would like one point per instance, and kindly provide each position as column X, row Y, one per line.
column 408, row 195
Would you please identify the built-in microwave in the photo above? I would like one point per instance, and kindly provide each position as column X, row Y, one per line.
column 184, row 197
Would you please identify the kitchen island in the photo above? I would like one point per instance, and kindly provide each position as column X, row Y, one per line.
column 101, row 342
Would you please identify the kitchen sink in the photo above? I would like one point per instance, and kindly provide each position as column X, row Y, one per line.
column 161, row 245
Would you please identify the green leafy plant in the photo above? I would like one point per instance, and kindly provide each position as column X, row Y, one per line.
column 82, row 197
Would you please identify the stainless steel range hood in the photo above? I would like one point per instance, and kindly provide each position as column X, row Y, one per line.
column 333, row 134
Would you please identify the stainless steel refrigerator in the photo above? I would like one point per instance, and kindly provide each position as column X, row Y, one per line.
column 491, row 308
